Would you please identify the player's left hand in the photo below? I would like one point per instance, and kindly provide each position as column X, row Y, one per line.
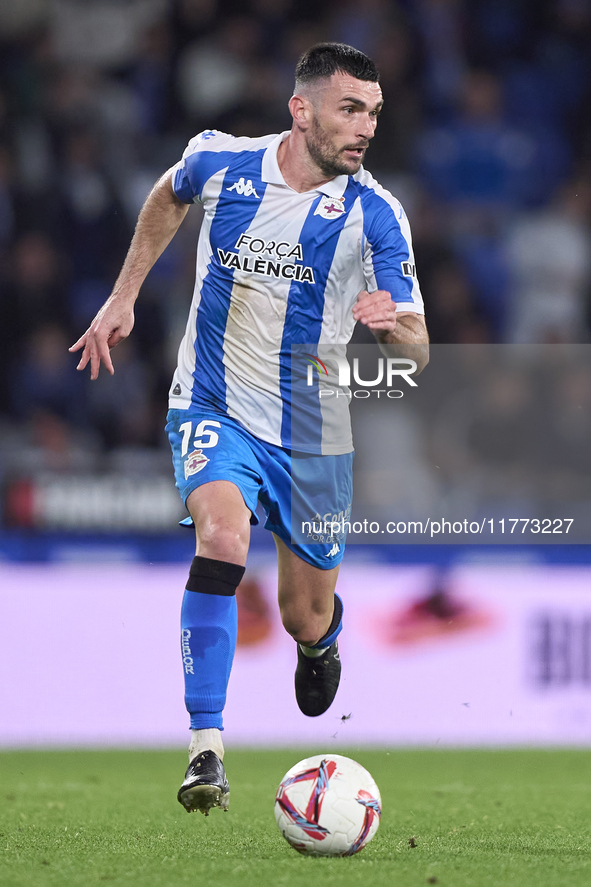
column 375, row 310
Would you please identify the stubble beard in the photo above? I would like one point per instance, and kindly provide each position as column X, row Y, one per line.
column 327, row 158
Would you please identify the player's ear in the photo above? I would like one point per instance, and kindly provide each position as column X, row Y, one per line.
column 301, row 110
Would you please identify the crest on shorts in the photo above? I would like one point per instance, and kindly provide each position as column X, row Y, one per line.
column 195, row 462
column 330, row 207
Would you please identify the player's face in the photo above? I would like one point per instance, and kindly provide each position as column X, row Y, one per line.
column 344, row 120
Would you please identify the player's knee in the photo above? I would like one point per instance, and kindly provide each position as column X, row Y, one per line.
column 222, row 542
column 305, row 628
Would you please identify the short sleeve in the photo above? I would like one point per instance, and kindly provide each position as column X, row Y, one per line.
column 195, row 168
column 388, row 256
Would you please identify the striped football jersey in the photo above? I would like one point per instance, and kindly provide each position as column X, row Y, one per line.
column 276, row 269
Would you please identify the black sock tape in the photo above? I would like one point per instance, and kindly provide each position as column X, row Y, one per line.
column 208, row 576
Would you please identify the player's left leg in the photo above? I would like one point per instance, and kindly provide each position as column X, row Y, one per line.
column 306, row 595
column 312, row 614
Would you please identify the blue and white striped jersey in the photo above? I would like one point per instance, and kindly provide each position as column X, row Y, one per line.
column 274, row 269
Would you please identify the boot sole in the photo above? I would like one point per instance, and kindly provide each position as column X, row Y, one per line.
column 203, row 798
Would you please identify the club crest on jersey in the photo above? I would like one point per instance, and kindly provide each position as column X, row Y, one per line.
column 244, row 187
column 330, row 207
column 194, row 463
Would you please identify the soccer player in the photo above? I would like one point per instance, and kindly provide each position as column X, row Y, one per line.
column 298, row 243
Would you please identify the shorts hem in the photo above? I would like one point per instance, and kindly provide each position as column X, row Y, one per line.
column 301, row 552
column 191, row 486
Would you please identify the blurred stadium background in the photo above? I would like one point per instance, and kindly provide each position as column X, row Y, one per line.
column 486, row 139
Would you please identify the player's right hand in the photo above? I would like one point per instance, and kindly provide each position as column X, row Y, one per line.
column 112, row 324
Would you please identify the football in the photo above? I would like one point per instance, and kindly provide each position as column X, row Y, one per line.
column 328, row 805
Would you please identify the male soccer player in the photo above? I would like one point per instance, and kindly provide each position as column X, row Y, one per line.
column 298, row 243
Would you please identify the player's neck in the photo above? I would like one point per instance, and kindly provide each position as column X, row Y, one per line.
column 297, row 167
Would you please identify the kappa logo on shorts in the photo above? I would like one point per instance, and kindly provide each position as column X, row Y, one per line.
column 334, row 550
column 195, row 462
column 330, row 207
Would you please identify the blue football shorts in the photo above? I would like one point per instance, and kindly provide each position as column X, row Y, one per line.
column 304, row 496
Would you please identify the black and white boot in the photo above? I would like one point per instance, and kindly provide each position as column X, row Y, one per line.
column 205, row 784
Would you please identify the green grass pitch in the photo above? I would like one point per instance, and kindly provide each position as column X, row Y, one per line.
column 518, row 818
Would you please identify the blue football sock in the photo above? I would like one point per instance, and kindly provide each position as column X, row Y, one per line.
column 335, row 627
column 208, row 638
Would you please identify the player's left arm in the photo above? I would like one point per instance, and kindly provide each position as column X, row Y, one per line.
column 399, row 333
column 391, row 306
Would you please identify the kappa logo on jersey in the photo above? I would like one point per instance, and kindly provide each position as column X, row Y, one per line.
column 244, row 187
column 330, row 207
column 195, row 462
column 334, row 550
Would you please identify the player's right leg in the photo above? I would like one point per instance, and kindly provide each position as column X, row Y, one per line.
column 208, row 633
column 217, row 478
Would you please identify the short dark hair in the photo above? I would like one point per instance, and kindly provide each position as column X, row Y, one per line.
column 326, row 59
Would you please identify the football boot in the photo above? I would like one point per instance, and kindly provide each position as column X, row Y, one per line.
column 317, row 680
column 205, row 784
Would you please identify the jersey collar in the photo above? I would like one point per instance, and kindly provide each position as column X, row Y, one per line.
column 271, row 173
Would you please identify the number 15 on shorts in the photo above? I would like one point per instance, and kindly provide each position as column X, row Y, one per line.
column 204, row 437
column 196, row 460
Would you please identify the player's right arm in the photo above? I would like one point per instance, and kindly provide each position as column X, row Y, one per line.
column 158, row 222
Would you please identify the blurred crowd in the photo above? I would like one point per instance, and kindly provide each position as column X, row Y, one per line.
column 485, row 137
